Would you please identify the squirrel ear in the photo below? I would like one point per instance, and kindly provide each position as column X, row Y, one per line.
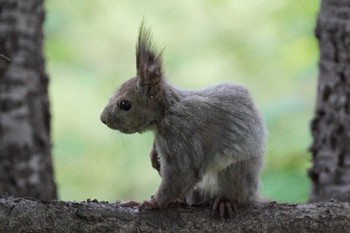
column 148, row 62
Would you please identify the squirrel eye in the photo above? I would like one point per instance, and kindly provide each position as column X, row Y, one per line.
column 125, row 105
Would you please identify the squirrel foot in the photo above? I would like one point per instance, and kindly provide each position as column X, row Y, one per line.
column 129, row 204
column 220, row 205
column 148, row 205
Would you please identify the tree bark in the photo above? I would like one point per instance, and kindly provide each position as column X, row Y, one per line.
column 330, row 173
column 24, row 215
column 4, row 63
column 25, row 157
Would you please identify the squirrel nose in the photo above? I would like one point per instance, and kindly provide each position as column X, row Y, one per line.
column 104, row 118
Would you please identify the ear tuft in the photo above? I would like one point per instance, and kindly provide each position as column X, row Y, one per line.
column 148, row 60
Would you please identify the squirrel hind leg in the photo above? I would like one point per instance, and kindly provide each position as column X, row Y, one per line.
column 224, row 207
column 197, row 197
column 237, row 187
column 239, row 183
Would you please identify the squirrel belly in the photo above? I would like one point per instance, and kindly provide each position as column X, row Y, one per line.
column 208, row 187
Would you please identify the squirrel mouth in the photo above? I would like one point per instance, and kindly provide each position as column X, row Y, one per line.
column 126, row 131
column 121, row 129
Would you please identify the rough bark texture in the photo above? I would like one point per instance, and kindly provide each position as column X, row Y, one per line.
column 4, row 63
column 23, row 215
column 330, row 173
column 25, row 157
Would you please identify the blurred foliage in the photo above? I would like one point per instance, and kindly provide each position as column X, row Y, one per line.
column 267, row 45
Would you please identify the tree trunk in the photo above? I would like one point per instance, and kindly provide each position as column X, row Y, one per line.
column 4, row 63
column 25, row 157
column 330, row 173
column 23, row 215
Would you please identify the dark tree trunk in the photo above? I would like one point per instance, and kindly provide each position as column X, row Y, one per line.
column 330, row 173
column 25, row 157
column 4, row 63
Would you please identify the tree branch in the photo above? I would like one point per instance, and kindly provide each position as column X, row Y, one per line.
column 27, row 215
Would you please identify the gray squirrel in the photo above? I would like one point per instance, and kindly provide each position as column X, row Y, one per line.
column 208, row 145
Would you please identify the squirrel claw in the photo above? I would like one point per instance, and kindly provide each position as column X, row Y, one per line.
column 129, row 204
column 148, row 205
column 224, row 206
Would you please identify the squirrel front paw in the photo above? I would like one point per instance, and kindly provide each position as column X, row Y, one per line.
column 155, row 159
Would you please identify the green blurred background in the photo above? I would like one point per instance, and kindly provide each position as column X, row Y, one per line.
column 267, row 45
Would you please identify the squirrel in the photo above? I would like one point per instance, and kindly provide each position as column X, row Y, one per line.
column 208, row 144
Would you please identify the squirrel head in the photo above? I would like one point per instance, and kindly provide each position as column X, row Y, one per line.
column 139, row 102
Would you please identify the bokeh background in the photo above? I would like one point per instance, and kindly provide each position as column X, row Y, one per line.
column 267, row 45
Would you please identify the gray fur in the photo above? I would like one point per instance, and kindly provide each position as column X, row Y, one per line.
column 210, row 142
